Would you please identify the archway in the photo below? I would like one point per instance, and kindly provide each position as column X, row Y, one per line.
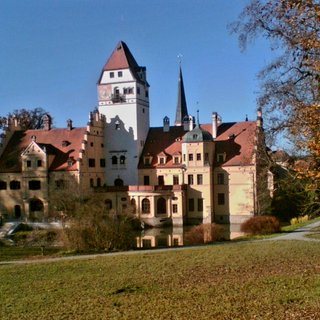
column 36, row 209
column 17, row 211
column 118, row 182
column 161, row 205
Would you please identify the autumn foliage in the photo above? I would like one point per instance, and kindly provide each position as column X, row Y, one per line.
column 260, row 225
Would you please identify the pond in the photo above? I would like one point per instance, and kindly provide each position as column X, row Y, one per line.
column 185, row 235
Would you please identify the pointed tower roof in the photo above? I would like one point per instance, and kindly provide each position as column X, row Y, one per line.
column 121, row 58
column 182, row 110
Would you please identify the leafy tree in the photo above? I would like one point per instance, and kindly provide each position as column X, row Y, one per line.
column 291, row 83
column 28, row 119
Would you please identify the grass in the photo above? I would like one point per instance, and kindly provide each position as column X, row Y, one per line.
column 293, row 227
column 315, row 233
column 261, row 280
column 10, row 253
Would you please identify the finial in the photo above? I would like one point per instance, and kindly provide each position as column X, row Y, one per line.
column 246, row 117
column 179, row 56
column 198, row 117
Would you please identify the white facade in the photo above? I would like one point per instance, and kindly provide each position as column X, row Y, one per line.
column 125, row 103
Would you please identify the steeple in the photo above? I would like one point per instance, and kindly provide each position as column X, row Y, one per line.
column 182, row 110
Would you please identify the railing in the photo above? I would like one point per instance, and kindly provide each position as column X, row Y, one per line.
column 116, row 98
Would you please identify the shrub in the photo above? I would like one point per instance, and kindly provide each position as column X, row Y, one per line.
column 261, row 225
column 101, row 231
column 204, row 233
column 36, row 237
column 299, row 219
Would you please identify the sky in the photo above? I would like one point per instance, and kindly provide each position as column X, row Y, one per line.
column 52, row 53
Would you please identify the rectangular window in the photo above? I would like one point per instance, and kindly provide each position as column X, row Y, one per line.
column 146, row 243
column 102, row 163
column 146, row 180
column 175, row 208
column 138, row 90
column 198, row 156
column 199, row 179
column 111, row 74
column 176, row 160
column 200, row 204
column 220, row 157
column 34, row 185
column 220, row 178
column 221, row 200
column 184, row 157
column 160, row 180
column 29, row 163
column 3, row 185
column 175, row 179
column 39, row 163
column 190, row 178
column 190, row 157
column 119, row 74
column 92, row 163
column 161, row 160
column 191, row 204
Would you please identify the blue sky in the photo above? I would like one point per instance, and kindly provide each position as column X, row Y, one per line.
column 52, row 53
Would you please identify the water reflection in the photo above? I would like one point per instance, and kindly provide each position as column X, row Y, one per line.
column 179, row 236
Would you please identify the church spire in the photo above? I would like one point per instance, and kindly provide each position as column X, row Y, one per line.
column 182, row 110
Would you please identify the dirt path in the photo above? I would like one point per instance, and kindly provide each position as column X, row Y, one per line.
column 299, row 234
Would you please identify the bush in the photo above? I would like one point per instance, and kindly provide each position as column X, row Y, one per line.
column 101, row 231
column 299, row 219
column 36, row 237
column 204, row 233
column 260, row 225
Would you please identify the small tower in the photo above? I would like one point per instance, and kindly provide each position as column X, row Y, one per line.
column 123, row 94
column 182, row 110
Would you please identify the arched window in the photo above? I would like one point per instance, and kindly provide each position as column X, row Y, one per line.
column 118, row 182
column 36, row 205
column 114, row 160
column 108, row 204
column 133, row 205
column 145, row 205
column 122, row 159
column 15, row 185
column 161, row 205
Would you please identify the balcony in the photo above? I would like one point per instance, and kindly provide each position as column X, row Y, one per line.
column 118, row 98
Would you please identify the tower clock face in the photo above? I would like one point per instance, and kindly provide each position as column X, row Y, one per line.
column 103, row 92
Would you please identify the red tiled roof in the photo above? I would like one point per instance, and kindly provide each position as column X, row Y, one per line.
column 52, row 140
column 159, row 141
column 236, row 139
column 121, row 58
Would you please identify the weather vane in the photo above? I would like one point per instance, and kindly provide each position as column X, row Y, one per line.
column 180, row 57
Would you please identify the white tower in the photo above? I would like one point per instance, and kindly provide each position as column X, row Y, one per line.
column 124, row 100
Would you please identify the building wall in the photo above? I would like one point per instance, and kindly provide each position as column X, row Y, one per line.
column 238, row 189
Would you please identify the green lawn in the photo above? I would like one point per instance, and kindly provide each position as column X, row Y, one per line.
column 260, row 280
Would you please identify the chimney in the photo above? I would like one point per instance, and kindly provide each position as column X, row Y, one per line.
column 214, row 125
column 166, row 124
column 188, row 123
column 69, row 124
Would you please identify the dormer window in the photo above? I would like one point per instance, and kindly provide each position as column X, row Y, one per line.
column 111, row 74
column 147, row 160
column 117, row 123
column 39, row 163
column 162, row 160
column 176, row 160
column 120, row 74
column 221, row 157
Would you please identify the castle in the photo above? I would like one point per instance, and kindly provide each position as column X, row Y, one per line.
column 185, row 173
